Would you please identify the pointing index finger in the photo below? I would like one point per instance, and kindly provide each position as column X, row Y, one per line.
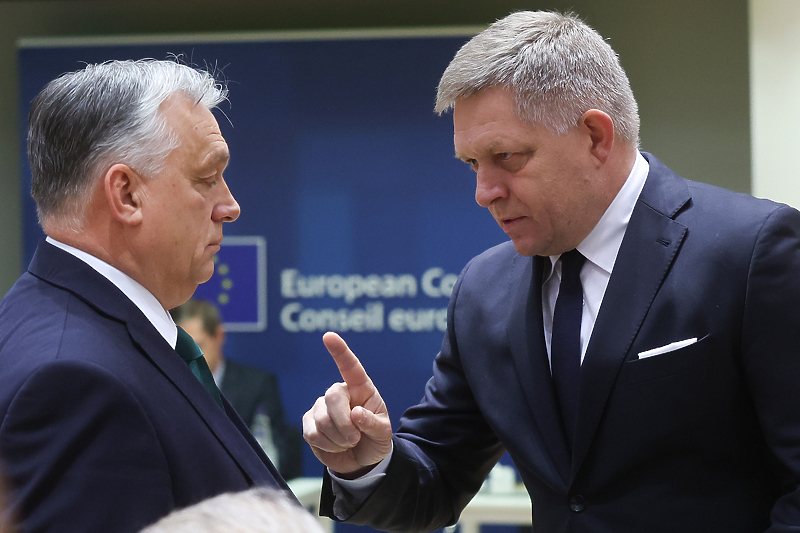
column 349, row 366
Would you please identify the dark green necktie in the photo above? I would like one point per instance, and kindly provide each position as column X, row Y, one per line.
column 192, row 355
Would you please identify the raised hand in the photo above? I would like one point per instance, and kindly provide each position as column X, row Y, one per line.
column 349, row 428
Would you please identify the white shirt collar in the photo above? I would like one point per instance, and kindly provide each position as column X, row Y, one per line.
column 603, row 242
column 141, row 297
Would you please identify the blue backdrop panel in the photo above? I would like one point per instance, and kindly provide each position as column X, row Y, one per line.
column 346, row 175
column 239, row 283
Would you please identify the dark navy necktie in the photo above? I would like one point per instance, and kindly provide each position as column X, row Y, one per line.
column 192, row 355
column 565, row 344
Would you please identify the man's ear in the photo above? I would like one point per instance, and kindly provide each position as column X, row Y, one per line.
column 123, row 191
column 600, row 129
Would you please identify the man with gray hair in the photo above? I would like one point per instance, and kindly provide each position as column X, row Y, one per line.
column 635, row 348
column 110, row 417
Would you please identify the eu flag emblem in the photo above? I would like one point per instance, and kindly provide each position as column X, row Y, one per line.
column 239, row 284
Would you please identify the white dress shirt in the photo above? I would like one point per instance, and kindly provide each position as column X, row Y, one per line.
column 141, row 297
column 600, row 249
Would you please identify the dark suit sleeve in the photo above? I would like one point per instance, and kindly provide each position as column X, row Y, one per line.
column 771, row 354
column 443, row 450
column 81, row 454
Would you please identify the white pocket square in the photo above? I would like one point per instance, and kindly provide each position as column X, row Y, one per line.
column 671, row 347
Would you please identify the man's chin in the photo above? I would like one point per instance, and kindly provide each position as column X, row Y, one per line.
column 529, row 247
column 205, row 274
column 525, row 248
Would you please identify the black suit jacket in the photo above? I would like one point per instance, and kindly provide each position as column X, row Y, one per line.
column 701, row 439
column 102, row 426
column 252, row 391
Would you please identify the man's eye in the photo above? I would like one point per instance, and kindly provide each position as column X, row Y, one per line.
column 505, row 155
column 473, row 163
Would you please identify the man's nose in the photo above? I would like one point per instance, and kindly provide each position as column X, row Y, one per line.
column 228, row 209
column 489, row 186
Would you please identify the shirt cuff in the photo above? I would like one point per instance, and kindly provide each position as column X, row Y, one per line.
column 349, row 494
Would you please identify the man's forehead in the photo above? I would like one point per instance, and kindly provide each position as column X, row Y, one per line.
column 491, row 134
column 182, row 112
column 198, row 131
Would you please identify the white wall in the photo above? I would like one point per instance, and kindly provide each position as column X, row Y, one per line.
column 775, row 99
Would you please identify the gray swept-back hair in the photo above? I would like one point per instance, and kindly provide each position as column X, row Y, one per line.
column 557, row 67
column 83, row 122
column 258, row 510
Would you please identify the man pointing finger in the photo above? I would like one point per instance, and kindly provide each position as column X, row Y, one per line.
column 349, row 428
column 634, row 347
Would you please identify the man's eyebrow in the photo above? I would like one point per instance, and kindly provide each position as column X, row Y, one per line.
column 461, row 157
column 489, row 149
column 218, row 157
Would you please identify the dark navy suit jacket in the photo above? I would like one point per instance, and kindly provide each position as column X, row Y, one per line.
column 698, row 440
column 102, row 426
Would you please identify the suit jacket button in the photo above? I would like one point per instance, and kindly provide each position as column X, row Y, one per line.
column 577, row 503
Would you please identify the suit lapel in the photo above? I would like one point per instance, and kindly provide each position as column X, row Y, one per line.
column 241, row 449
column 526, row 340
column 651, row 243
column 70, row 273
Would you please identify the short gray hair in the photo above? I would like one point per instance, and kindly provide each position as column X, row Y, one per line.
column 557, row 67
column 83, row 122
column 259, row 510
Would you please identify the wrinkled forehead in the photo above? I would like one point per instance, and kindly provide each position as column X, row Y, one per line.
column 197, row 129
